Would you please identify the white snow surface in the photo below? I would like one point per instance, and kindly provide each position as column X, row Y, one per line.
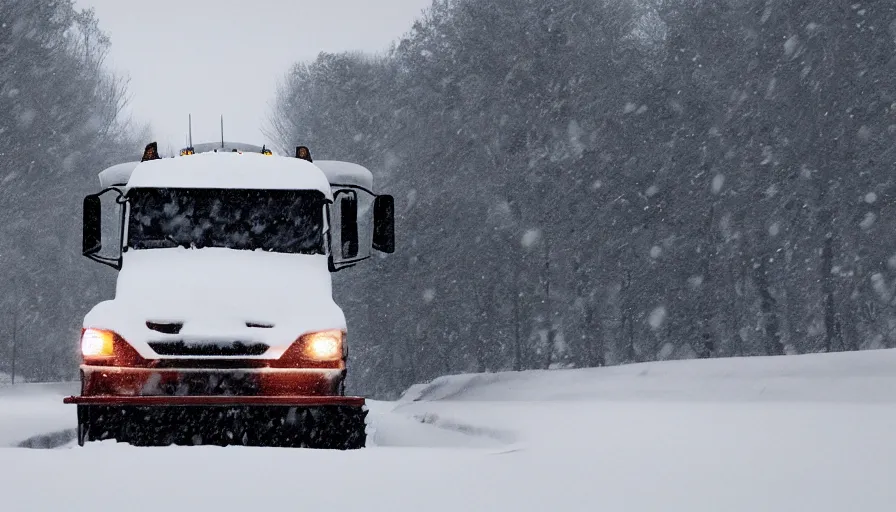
column 231, row 171
column 812, row 433
column 215, row 292
column 346, row 173
column 117, row 175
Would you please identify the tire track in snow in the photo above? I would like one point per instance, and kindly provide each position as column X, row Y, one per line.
column 49, row 441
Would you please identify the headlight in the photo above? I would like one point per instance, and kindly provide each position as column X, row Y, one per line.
column 97, row 343
column 323, row 346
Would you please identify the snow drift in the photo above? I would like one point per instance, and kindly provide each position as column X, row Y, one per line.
column 868, row 376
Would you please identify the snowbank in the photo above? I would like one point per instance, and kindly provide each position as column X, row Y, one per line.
column 29, row 409
column 868, row 376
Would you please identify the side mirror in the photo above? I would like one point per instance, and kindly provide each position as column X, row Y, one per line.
column 348, row 208
column 384, row 224
column 92, row 241
column 92, row 238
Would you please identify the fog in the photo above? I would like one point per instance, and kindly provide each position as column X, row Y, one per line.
column 214, row 57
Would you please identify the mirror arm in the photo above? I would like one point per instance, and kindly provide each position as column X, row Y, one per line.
column 114, row 263
column 335, row 269
column 121, row 197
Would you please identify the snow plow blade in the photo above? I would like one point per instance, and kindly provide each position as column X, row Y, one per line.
column 331, row 422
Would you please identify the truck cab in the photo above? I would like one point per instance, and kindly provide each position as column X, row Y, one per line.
column 223, row 299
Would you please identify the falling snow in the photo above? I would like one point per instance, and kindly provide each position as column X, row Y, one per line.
column 868, row 221
column 791, row 45
column 717, row 183
column 531, row 237
column 657, row 317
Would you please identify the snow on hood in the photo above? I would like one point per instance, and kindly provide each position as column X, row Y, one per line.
column 215, row 292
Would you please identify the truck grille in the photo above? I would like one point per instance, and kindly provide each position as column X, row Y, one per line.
column 208, row 349
column 211, row 384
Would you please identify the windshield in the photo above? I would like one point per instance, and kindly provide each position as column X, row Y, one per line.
column 287, row 221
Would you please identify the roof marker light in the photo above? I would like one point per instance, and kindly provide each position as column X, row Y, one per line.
column 151, row 152
column 304, row 153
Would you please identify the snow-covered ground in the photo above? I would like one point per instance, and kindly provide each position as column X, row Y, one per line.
column 812, row 433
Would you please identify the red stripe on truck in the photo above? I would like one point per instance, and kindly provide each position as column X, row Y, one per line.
column 294, row 401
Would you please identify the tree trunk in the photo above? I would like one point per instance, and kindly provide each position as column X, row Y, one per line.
column 590, row 332
column 448, row 342
column 480, row 351
column 626, row 327
column 517, row 340
column 850, row 332
column 594, row 346
column 833, row 339
column 707, row 348
column 15, row 342
column 768, row 306
column 735, row 275
column 549, row 308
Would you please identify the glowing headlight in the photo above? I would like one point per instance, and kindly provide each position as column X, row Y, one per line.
column 324, row 346
column 97, row 343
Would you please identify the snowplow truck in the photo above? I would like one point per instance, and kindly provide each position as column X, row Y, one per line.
column 223, row 329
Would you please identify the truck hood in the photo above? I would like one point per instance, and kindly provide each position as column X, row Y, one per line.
column 219, row 295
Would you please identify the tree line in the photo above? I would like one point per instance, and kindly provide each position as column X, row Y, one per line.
column 61, row 121
column 595, row 182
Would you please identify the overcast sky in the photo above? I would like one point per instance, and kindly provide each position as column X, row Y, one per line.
column 214, row 57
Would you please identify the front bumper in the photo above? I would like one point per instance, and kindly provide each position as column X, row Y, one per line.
column 303, row 407
column 210, row 382
column 285, row 422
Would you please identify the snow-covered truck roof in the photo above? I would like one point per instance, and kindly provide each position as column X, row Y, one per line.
column 346, row 173
column 229, row 170
column 226, row 147
column 117, row 175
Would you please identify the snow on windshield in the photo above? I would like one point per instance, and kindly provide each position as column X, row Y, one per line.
column 284, row 221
